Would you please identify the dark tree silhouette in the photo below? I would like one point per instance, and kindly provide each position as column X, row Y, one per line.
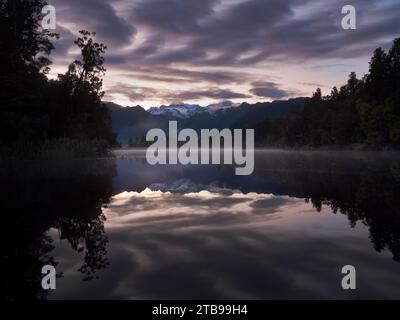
column 52, row 195
column 24, row 46
column 36, row 113
column 75, row 97
column 364, row 111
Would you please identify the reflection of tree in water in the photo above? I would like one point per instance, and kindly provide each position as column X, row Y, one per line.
column 376, row 204
column 365, row 190
column 94, row 242
column 22, row 262
column 38, row 197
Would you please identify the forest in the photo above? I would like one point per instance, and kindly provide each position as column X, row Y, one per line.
column 40, row 115
column 362, row 113
column 65, row 115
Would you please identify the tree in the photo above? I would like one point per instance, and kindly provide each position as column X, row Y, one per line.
column 23, row 44
column 394, row 62
column 377, row 79
column 24, row 54
column 317, row 95
column 352, row 84
column 81, row 114
column 35, row 109
column 363, row 111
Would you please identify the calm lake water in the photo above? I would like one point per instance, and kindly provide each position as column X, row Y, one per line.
column 122, row 229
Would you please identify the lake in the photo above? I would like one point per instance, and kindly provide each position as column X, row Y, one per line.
column 119, row 228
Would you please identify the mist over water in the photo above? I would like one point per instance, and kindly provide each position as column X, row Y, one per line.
column 120, row 228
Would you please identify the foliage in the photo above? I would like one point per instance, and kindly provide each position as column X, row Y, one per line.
column 362, row 112
column 35, row 110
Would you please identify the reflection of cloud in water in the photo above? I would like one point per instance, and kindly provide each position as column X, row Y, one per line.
column 197, row 207
column 227, row 244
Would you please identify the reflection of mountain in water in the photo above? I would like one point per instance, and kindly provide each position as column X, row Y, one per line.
column 363, row 186
column 67, row 196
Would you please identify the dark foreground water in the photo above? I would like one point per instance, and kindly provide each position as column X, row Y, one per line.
column 120, row 228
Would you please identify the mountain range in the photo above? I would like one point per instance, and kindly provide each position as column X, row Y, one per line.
column 132, row 123
column 184, row 111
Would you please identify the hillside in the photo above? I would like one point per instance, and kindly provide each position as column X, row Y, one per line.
column 134, row 122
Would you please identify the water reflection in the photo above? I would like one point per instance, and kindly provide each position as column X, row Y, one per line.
column 38, row 197
column 140, row 231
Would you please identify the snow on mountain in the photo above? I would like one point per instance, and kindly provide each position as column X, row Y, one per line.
column 183, row 110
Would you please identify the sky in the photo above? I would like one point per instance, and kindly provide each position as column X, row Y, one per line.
column 208, row 51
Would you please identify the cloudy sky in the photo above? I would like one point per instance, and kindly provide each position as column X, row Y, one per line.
column 169, row 51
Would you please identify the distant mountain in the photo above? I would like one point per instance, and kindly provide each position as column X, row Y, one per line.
column 240, row 116
column 134, row 122
column 186, row 111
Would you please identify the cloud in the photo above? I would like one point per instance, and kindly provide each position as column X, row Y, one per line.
column 170, row 74
column 219, row 32
column 203, row 245
column 136, row 94
column 270, row 90
column 97, row 16
column 314, row 84
column 223, row 42
column 173, row 16
column 213, row 93
column 253, row 31
column 64, row 43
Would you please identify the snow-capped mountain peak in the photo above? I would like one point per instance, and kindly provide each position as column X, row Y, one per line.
column 180, row 110
column 184, row 110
